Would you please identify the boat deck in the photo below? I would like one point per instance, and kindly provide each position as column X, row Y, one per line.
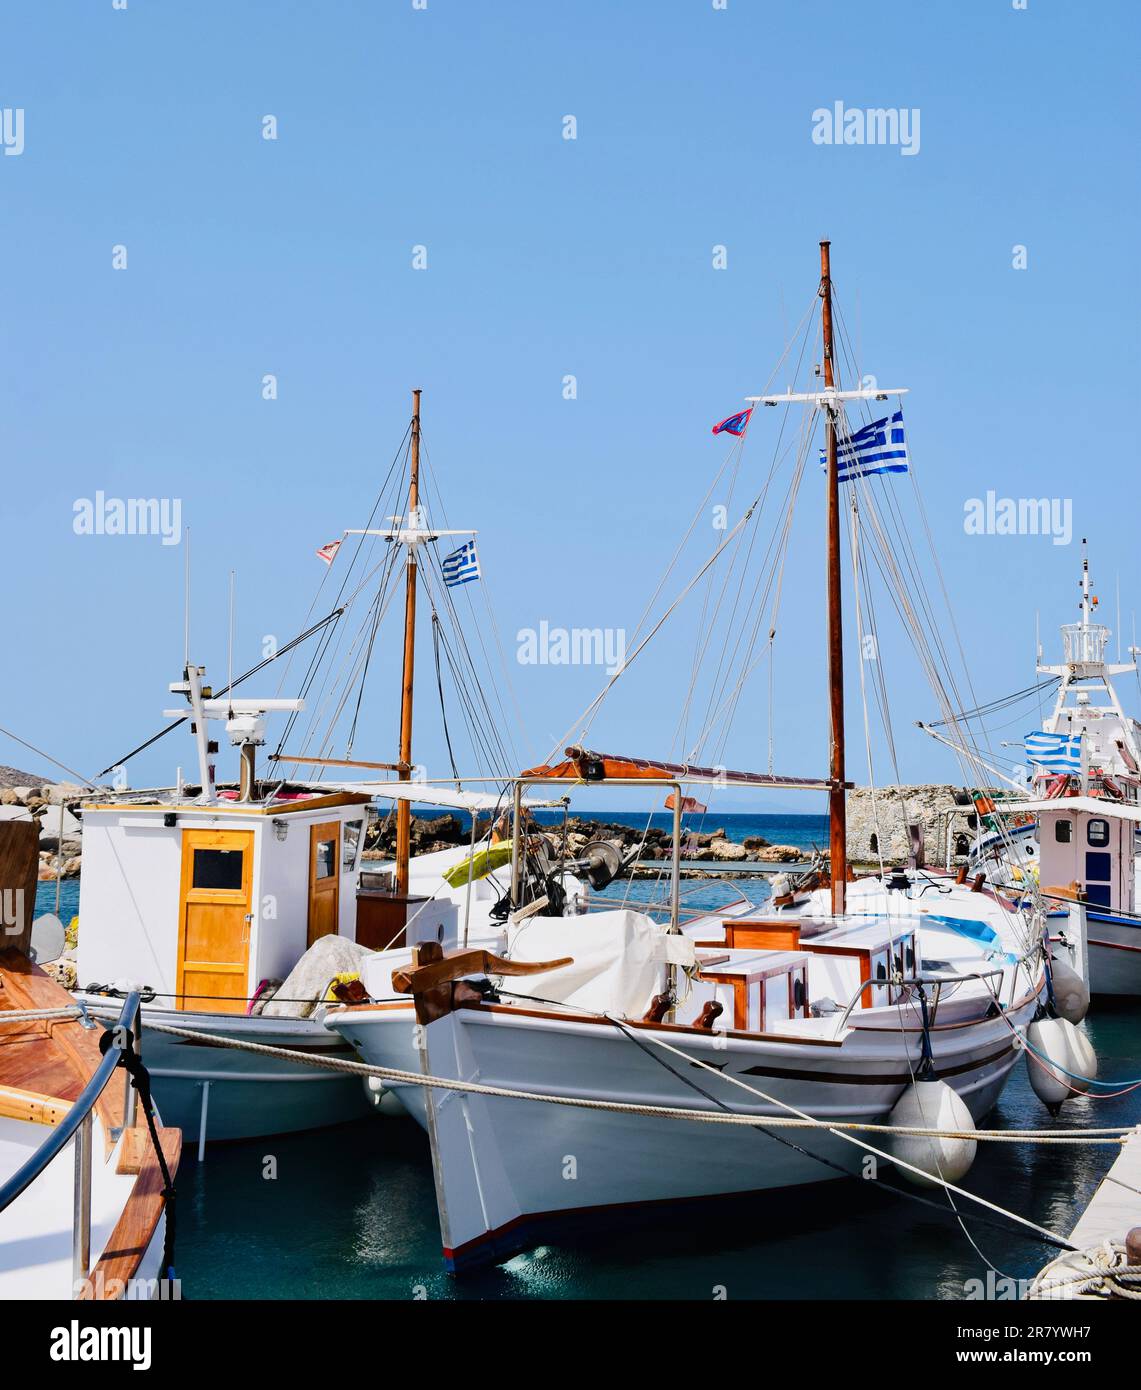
column 44, row 1066
column 49, row 1060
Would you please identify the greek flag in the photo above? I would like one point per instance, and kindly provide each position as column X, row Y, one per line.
column 878, row 448
column 461, row 566
column 1055, row 752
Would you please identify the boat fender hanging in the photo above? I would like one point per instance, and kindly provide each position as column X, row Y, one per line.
column 947, row 1156
column 1060, row 1059
column 1071, row 993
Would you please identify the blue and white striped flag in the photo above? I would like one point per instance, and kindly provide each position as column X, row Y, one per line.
column 461, row 566
column 878, row 448
column 1055, row 752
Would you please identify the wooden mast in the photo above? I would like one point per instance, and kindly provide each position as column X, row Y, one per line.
column 404, row 808
column 837, row 808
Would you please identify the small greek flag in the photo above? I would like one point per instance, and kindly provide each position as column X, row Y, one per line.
column 1055, row 752
column 878, row 448
column 461, row 566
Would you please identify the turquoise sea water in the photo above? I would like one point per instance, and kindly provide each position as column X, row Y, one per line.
column 351, row 1213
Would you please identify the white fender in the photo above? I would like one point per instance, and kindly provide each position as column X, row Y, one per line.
column 933, row 1105
column 1056, row 1040
column 1071, row 993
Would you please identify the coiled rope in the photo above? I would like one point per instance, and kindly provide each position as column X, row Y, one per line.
column 1104, row 1271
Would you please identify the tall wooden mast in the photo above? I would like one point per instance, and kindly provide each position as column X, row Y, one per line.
column 404, row 808
column 837, row 808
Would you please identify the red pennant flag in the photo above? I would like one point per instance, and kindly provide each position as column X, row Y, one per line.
column 328, row 553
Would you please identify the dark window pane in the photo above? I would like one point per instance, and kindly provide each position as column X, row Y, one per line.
column 1063, row 831
column 218, row 868
column 1097, row 832
column 1098, row 894
column 326, row 858
column 1097, row 866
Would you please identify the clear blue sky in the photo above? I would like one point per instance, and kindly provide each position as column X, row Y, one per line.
column 443, row 127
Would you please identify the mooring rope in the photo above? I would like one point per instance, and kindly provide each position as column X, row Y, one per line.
column 1109, row 1135
column 29, row 1015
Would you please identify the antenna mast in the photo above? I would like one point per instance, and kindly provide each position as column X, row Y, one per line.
column 404, row 808
column 837, row 806
column 186, row 601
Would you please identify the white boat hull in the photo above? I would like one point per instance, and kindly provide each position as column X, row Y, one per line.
column 1114, row 945
column 221, row 1093
column 508, row 1171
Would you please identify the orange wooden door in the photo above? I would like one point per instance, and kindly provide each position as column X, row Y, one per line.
column 324, row 879
column 214, row 933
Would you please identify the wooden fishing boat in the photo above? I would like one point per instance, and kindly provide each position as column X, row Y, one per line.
column 606, row 1061
column 84, row 1181
column 234, row 908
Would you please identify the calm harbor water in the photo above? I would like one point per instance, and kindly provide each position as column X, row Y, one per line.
column 350, row 1212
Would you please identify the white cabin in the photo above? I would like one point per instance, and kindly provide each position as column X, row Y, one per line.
column 203, row 902
column 1087, row 843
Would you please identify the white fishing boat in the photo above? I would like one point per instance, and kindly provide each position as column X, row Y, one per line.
column 1074, row 835
column 669, row 1059
column 233, row 909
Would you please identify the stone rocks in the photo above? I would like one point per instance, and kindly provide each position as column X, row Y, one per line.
column 780, row 854
column 446, row 828
column 728, row 849
column 755, row 842
column 55, row 792
column 49, row 865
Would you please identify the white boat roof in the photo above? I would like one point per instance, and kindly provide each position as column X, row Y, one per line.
column 1095, row 805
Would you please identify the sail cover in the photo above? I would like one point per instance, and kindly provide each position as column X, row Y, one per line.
column 582, row 765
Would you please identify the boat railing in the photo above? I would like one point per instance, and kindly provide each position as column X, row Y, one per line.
column 77, row 1124
column 899, row 982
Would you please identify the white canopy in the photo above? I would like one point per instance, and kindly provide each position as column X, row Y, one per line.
column 1094, row 805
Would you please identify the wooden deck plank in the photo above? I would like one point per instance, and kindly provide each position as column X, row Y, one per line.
column 136, row 1226
column 55, row 1057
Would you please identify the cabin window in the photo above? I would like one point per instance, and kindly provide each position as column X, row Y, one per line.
column 352, row 838
column 874, row 843
column 219, row 869
column 1063, row 831
column 326, row 858
column 1097, row 832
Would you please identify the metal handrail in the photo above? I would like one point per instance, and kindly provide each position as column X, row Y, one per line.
column 898, row 982
column 79, row 1113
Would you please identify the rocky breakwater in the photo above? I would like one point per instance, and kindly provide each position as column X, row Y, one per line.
column 430, row 834
column 656, row 843
column 23, row 798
